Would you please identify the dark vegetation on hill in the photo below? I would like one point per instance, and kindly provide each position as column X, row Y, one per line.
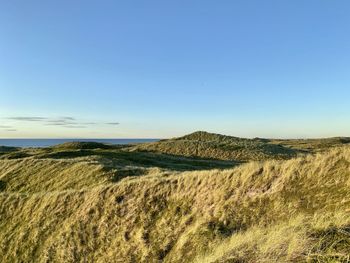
column 84, row 145
column 89, row 203
column 6, row 149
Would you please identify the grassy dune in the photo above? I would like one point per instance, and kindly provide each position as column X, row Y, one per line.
column 313, row 145
column 216, row 146
column 70, row 205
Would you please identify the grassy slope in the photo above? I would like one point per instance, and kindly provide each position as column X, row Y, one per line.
column 215, row 146
column 56, row 208
column 62, row 168
column 312, row 145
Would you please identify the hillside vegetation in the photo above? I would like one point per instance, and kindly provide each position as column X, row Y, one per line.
column 215, row 146
column 313, row 145
column 6, row 149
column 67, row 204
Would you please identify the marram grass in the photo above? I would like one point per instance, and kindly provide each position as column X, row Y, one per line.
column 69, row 210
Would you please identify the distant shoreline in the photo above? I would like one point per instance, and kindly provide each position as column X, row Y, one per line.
column 51, row 142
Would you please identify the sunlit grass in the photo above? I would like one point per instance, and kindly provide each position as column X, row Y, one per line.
column 111, row 205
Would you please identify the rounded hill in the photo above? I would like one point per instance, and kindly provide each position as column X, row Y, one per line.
column 215, row 146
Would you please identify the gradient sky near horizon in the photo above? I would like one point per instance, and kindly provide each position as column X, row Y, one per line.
column 158, row 69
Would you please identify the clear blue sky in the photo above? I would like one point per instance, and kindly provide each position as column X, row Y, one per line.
column 167, row 68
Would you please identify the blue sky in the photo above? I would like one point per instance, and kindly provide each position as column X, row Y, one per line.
column 166, row 68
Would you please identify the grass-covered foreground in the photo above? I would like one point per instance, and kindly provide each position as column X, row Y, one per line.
column 93, row 203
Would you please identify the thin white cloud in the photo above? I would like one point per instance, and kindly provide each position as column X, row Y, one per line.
column 112, row 123
column 21, row 118
column 64, row 121
column 75, row 126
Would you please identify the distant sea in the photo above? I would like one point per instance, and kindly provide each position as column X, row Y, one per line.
column 51, row 142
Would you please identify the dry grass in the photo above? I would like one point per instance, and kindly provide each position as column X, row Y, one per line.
column 67, row 210
column 215, row 146
column 313, row 145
